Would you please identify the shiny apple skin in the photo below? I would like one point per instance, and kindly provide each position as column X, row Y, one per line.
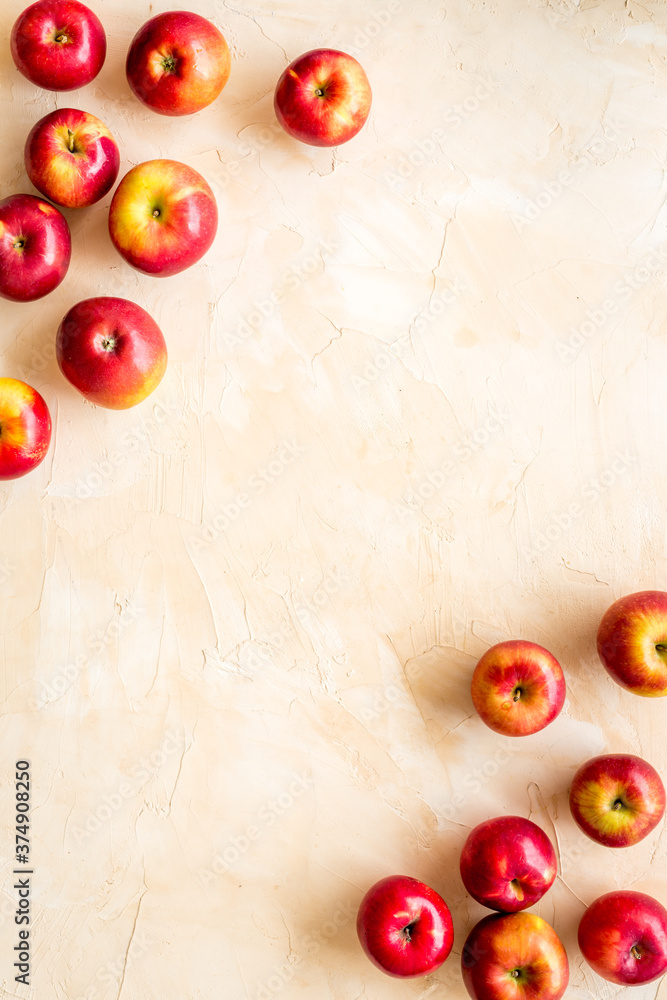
column 184, row 228
column 508, row 863
column 112, row 351
column 37, row 266
column 617, row 923
column 518, row 688
column 177, row 63
column 71, row 157
column 385, row 912
column 632, row 642
column 323, row 98
column 520, row 943
column 25, row 428
column 617, row 799
column 58, row 65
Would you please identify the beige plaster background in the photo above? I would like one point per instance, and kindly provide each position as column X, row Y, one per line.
column 414, row 405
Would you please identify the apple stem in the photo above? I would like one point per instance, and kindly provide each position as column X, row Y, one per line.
column 635, row 951
column 319, row 92
column 19, row 244
column 515, row 973
column 156, row 213
column 109, row 343
column 61, row 39
column 617, row 804
column 516, row 695
column 407, row 930
column 70, row 140
column 660, row 647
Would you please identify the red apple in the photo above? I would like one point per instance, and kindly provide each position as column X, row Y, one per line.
column 25, row 428
column 405, row 927
column 518, row 688
column 178, row 63
column 112, row 351
column 323, row 97
column 508, row 863
column 623, row 937
column 617, row 799
column 632, row 642
column 58, row 44
column 35, row 247
column 514, row 956
column 163, row 217
column 71, row 157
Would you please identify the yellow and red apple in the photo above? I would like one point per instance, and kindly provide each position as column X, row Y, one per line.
column 112, row 351
column 163, row 217
column 178, row 63
column 518, row 687
column 617, row 799
column 323, row 98
column 514, row 956
column 623, row 937
column 71, row 157
column 25, row 428
column 35, row 247
column 632, row 642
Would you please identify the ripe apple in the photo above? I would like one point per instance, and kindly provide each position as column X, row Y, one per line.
column 632, row 642
column 71, row 157
column 35, row 247
column 25, row 428
column 112, row 351
column 323, row 97
column 514, row 956
column 405, row 927
column 623, row 937
column 58, row 44
column 163, row 217
column 617, row 799
column 508, row 863
column 518, row 687
column 178, row 63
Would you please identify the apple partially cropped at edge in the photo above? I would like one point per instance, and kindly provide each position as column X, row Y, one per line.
column 112, row 351
column 514, row 956
column 405, row 927
column 71, row 157
column 58, row 44
column 163, row 217
column 35, row 247
column 617, row 799
column 323, row 98
column 632, row 642
column 623, row 937
column 25, row 428
column 518, row 687
column 177, row 63
column 507, row 863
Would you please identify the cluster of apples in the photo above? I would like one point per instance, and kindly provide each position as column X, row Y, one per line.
column 163, row 215
column 508, row 863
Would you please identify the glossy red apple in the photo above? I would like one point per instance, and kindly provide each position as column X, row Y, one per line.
column 514, row 956
column 71, row 157
column 617, row 799
column 323, row 97
column 58, row 44
column 405, row 927
column 178, row 63
column 163, row 217
column 35, row 247
column 632, row 642
column 508, row 863
column 623, row 937
column 112, row 351
column 518, row 688
column 25, row 428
